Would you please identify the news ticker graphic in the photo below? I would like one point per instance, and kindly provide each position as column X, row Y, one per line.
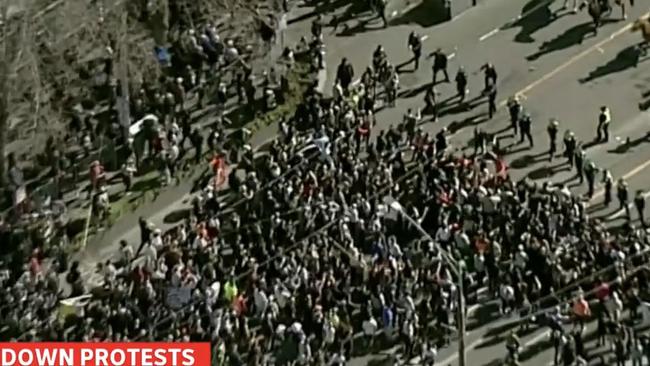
column 105, row 354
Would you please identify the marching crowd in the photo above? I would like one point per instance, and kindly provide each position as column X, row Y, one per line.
column 310, row 262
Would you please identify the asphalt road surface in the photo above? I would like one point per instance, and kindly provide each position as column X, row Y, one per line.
column 547, row 55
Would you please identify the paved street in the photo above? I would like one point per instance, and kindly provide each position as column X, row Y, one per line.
column 562, row 71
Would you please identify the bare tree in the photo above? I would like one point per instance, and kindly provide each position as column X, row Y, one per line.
column 9, row 53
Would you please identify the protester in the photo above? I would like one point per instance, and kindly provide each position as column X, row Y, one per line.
column 306, row 255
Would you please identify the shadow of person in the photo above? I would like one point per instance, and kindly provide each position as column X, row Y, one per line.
column 536, row 15
column 573, row 36
column 626, row 58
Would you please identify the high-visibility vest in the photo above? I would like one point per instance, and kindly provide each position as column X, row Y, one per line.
column 230, row 291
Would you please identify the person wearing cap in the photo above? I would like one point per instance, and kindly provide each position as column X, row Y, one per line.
column 524, row 129
column 552, row 130
column 602, row 132
column 570, row 144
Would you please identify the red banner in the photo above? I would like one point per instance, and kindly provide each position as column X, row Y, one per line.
column 104, row 354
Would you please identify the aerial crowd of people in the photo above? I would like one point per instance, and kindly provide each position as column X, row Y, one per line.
column 318, row 253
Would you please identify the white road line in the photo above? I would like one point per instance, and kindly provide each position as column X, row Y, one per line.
column 629, row 174
column 451, row 56
column 537, row 338
column 450, row 359
column 424, row 37
column 620, row 213
column 489, row 34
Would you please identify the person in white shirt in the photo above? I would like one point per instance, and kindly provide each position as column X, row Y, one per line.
column 507, row 294
column 369, row 330
column 521, row 258
column 429, row 353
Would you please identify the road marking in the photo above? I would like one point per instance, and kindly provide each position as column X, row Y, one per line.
column 573, row 60
column 489, row 34
column 514, row 20
column 537, row 338
column 471, row 346
column 627, row 176
column 600, row 50
column 451, row 56
column 424, row 37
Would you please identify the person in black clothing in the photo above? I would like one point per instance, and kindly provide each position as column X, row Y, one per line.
column 345, row 73
column 639, row 203
column 197, row 142
column 580, row 164
column 415, row 45
column 461, row 84
column 490, row 74
column 609, row 184
column 552, row 130
column 590, row 173
column 439, row 64
column 524, row 130
column 492, row 102
column 431, row 102
column 569, row 147
column 514, row 108
column 623, row 196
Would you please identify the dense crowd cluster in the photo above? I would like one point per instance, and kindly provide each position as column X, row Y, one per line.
column 317, row 254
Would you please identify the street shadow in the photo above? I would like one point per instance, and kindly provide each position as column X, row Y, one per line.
column 626, row 147
column 546, row 171
column 476, row 120
column 465, row 106
column 321, row 8
column 362, row 26
column 571, row 37
column 176, row 216
column 410, row 93
column 538, row 16
column 527, row 160
column 626, row 58
column 427, row 14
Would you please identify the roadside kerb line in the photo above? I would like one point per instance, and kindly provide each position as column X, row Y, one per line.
column 573, row 60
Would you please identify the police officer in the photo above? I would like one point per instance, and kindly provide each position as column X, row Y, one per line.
column 514, row 108
column 552, row 138
column 415, row 45
column 569, row 147
column 461, row 84
column 639, row 203
column 524, row 129
column 623, row 196
column 440, row 64
column 602, row 134
column 580, row 163
column 492, row 100
column 608, row 180
column 590, row 173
